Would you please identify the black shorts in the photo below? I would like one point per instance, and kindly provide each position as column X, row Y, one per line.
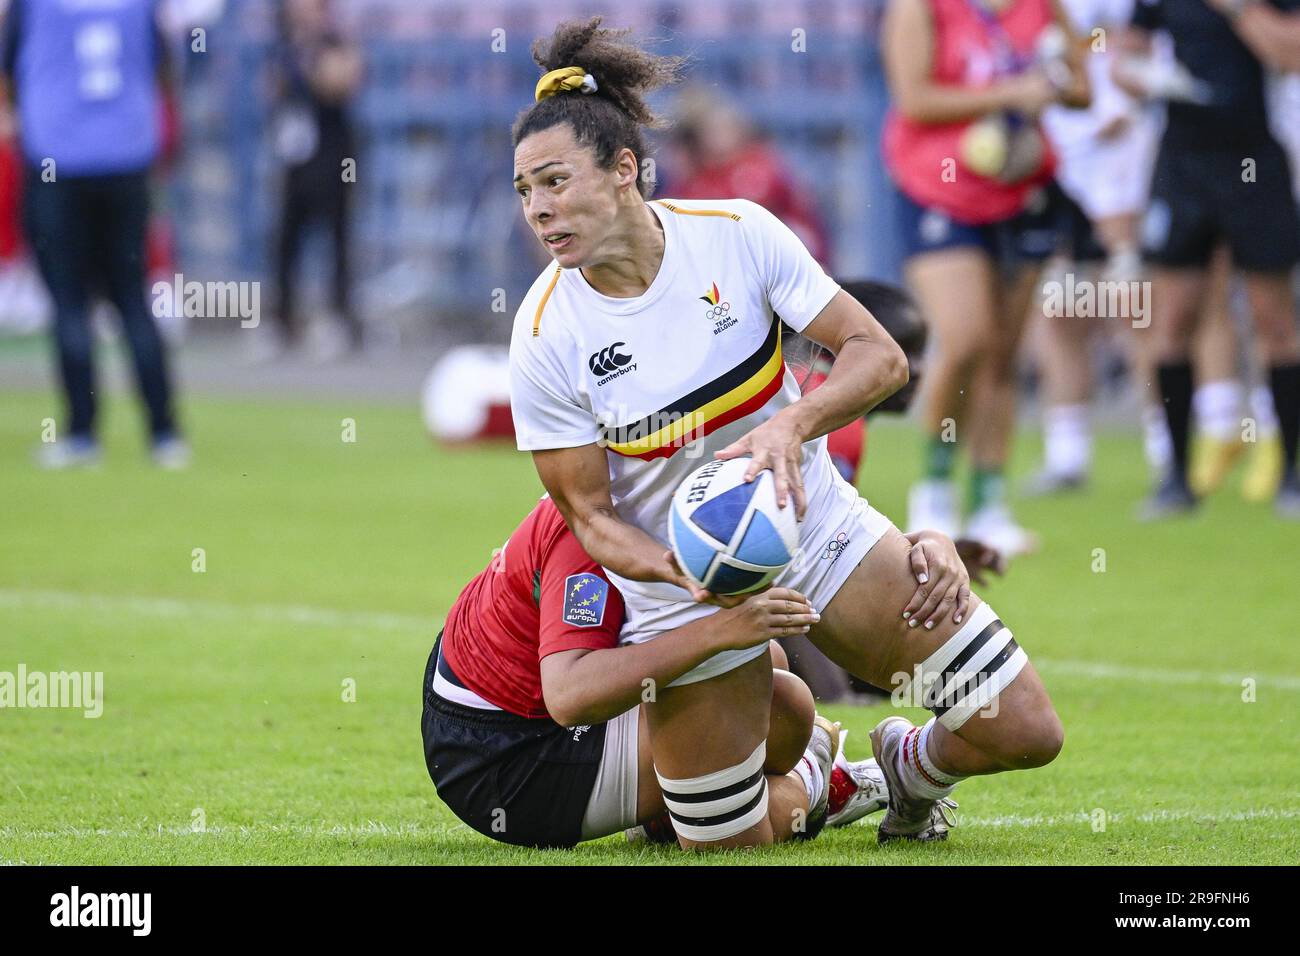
column 1044, row 227
column 520, row 780
column 1199, row 199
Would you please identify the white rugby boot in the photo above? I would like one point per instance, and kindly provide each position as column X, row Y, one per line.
column 908, row 817
column 865, row 782
column 932, row 505
column 72, row 452
column 994, row 526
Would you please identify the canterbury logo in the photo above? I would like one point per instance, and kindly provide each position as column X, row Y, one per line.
column 608, row 360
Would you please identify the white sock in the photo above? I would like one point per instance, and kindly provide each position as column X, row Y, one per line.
column 1218, row 408
column 923, row 778
column 1124, row 265
column 1067, row 439
column 810, row 772
column 1261, row 406
column 1155, row 439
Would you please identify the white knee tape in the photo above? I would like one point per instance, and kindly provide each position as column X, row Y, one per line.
column 967, row 672
column 721, row 804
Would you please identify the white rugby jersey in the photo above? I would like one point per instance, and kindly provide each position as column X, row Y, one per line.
column 668, row 378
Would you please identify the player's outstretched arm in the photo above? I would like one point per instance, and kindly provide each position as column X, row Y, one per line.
column 590, row 686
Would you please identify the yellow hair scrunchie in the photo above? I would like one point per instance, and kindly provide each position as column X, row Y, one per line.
column 565, row 80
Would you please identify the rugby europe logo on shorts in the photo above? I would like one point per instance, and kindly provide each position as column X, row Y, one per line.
column 719, row 313
column 584, row 600
column 610, row 362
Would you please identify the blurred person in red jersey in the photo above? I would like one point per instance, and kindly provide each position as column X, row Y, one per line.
column 969, row 80
column 722, row 155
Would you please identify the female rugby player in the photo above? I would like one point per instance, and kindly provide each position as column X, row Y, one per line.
column 532, row 726
column 964, row 149
column 653, row 344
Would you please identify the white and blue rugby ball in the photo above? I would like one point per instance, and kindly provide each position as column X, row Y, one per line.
column 728, row 535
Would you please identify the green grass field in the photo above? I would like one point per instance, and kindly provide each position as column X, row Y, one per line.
column 225, row 737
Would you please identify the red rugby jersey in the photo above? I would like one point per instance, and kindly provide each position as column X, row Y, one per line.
column 540, row 594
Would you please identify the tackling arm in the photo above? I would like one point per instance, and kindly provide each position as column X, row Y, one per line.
column 589, row 686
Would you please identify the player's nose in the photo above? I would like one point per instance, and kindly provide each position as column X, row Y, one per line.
column 539, row 209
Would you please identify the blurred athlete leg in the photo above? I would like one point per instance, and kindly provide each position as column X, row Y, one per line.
column 1273, row 310
column 1178, row 295
column 56, row 215
column 1217, row 402
column 294, row 219
column 122, row 204
column 340, row 238
column 955, row 291
column 1062, row 347
column 992, row 417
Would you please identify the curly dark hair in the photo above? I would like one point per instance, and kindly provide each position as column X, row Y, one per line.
column 614, row 116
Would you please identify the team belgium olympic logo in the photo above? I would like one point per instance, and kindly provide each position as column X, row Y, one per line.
column 719, row 310
column 835, row 547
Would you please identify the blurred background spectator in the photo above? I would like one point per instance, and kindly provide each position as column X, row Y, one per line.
column 719, row 154
column 314, row 141
column 86, row 83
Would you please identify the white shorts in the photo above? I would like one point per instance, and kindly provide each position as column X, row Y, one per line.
column 838, row 530
column 1111, row 178
column 612, row 806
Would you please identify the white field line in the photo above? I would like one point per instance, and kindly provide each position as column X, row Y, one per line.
column 307, row 616
column 1157, row 675
column 189, row 608
column 378, row 829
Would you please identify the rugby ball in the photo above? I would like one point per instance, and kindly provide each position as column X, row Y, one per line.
column 728, row 534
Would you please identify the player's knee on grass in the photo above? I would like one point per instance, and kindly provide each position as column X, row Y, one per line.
column 791, row 723
column 716, row 809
